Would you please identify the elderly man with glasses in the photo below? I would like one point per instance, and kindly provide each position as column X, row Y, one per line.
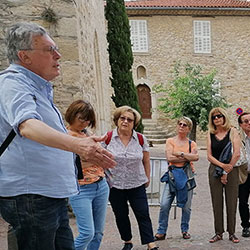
column 37, row 171
column 244, row 189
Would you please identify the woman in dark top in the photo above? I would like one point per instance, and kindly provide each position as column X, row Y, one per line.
column 220, row 133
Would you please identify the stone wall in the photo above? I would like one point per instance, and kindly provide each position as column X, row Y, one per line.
column 171, row 39
column 80, row 33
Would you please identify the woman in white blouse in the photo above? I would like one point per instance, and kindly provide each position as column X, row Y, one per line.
column 130, row 177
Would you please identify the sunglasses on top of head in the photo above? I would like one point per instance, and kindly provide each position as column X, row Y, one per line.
column 217, row 116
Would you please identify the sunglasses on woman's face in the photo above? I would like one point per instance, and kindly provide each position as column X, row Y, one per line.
column 181, row 124
column 123, row 119
column 217, row 116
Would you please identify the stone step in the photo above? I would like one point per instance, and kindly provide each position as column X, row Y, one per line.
column 157, row 141
column 154, row 128
column 157, row 136
column 148, row 121
column 155, row 132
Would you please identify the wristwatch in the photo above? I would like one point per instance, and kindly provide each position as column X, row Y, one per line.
column 182, row 154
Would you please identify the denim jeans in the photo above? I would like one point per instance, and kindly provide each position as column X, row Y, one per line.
column 166, row 202
column 39, row 223
column 90, row 207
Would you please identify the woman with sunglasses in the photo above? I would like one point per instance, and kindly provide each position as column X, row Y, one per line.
column 219, row 135
column 179, row 151
column 131, row 176
column 90, row 205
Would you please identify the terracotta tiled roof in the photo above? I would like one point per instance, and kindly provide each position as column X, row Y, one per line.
column 189, row 3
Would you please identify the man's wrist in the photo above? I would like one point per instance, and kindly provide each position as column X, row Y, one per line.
column 182, row 154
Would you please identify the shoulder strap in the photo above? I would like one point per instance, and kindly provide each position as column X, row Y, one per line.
column 140, row 138
column 8, row 71
column 109, row 134
column 7, row 141
column 189, row 142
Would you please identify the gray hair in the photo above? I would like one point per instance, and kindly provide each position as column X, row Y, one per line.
column 19, row 37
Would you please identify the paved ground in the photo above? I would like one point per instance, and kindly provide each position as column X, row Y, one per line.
column 201, row 225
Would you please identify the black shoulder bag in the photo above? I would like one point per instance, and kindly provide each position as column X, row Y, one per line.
column 7, row 141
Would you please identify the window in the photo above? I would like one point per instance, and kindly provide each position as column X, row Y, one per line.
column 202, row 37
column 139, row 35
column 141, row 73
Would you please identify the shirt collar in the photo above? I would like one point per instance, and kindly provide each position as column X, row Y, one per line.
column 37, row 81
column 115, row 133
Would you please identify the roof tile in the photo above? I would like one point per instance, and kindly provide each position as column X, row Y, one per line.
column 190, row 3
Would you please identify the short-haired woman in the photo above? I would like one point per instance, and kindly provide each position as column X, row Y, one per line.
column 131, row 176
column 90, row 204
column 179, row 151
column 219, row 134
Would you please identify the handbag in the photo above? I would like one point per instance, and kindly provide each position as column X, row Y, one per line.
column 243, row 173
column 226, row 154
column 242, row 163
column 225, row 157
column 243, row 159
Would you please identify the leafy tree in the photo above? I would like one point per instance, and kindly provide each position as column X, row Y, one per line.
column 191, row 94
column 120, row 56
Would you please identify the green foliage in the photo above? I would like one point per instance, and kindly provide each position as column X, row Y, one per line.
column 191, row 94
column 120, row 56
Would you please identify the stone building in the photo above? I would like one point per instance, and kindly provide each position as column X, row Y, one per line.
column 212, row 33
column 78, row 28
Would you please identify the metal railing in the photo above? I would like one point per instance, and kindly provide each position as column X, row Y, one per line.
column 154, row 192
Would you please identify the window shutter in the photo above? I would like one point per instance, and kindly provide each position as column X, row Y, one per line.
column 139, row 36
column 202, row 37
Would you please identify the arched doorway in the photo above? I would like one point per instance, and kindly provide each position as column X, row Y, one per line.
column 145, row 103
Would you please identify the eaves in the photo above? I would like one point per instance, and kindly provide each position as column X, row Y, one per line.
column 187, row 11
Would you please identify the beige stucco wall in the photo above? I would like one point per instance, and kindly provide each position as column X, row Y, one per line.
column 171, row 39
column 80, row 33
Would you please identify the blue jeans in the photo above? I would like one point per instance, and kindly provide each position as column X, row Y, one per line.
column 90, row 207
column 39, row 222
column 166, row 202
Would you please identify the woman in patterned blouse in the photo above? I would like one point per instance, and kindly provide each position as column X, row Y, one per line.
column 130, row 177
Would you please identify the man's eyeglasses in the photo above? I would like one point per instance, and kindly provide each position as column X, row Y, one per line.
column 246, row 121
column 51, row 49
column 217, row 116
column 123, row 118
column 181, row 124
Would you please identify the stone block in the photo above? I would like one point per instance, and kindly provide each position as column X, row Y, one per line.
column 67, row 27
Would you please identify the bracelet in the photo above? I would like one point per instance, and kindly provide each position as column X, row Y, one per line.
column 224, row 172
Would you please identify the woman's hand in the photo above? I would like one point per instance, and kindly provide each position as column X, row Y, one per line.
column 192, row 168
column 223, row 179
column 178, row 154
column 227, row 167
column 147, row 184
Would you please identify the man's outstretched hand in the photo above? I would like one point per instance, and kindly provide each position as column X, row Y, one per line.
column 90, row 150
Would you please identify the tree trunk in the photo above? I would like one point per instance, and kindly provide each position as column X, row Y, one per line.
column 192, row 135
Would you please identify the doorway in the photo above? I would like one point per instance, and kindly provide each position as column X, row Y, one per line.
column 144, row 97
